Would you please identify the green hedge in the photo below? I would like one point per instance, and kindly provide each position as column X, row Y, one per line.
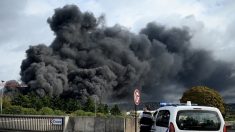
column 14, row 109
column 82, row 113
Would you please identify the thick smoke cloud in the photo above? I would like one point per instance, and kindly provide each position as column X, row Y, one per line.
column 107, row 63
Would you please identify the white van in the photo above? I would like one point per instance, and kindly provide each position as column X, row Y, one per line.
column 188, row 118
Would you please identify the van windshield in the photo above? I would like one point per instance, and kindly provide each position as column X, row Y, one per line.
column 198, row 120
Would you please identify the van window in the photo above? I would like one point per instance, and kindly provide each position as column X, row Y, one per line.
column 155, row 113
column 198, row 120
column 163, row 118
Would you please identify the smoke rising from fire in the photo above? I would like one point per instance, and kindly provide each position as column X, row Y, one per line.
column 107, row 63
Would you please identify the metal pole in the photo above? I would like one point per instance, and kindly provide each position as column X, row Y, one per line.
column 2, row 88
column 1, row 98
column 95, row 107
column 135, row 119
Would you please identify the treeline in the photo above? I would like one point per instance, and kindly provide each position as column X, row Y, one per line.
column 33, row 105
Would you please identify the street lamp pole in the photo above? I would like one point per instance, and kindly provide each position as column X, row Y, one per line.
column 2, row 90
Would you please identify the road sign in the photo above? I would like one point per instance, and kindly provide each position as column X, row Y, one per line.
column 137, row 97
column 57, row 121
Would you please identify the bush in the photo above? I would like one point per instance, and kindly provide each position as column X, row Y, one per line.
column 101, row 115
column 82, row 113
column 46, row 111
column 59, row 112
column 29, row 111
column 89, row 114
column 78, row 113
column 13, row 110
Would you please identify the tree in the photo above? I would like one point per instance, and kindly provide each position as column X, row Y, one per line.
column 106, row 109
column 36, row 102
column 6, row 101
column 12, row 84
column 205, row 96
column 101, row 108
column 22, row 100
column 89, row 105
column 46, row 101
column 71, row 105
column 115, row 110
column 57, row 103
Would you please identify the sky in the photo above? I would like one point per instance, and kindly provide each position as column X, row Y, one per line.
column 24, row 23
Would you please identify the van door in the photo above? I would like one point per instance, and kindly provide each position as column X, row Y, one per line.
column 154, row 121
column 162, row 121
column 198, row 120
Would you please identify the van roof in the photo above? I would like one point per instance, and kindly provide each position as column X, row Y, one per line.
column 184, row 107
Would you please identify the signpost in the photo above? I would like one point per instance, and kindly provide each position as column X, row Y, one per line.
column 137, row 102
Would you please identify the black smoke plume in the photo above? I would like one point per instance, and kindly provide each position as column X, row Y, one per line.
column 107, row 63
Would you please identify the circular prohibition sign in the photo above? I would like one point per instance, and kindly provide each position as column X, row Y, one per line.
column 137, row 97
